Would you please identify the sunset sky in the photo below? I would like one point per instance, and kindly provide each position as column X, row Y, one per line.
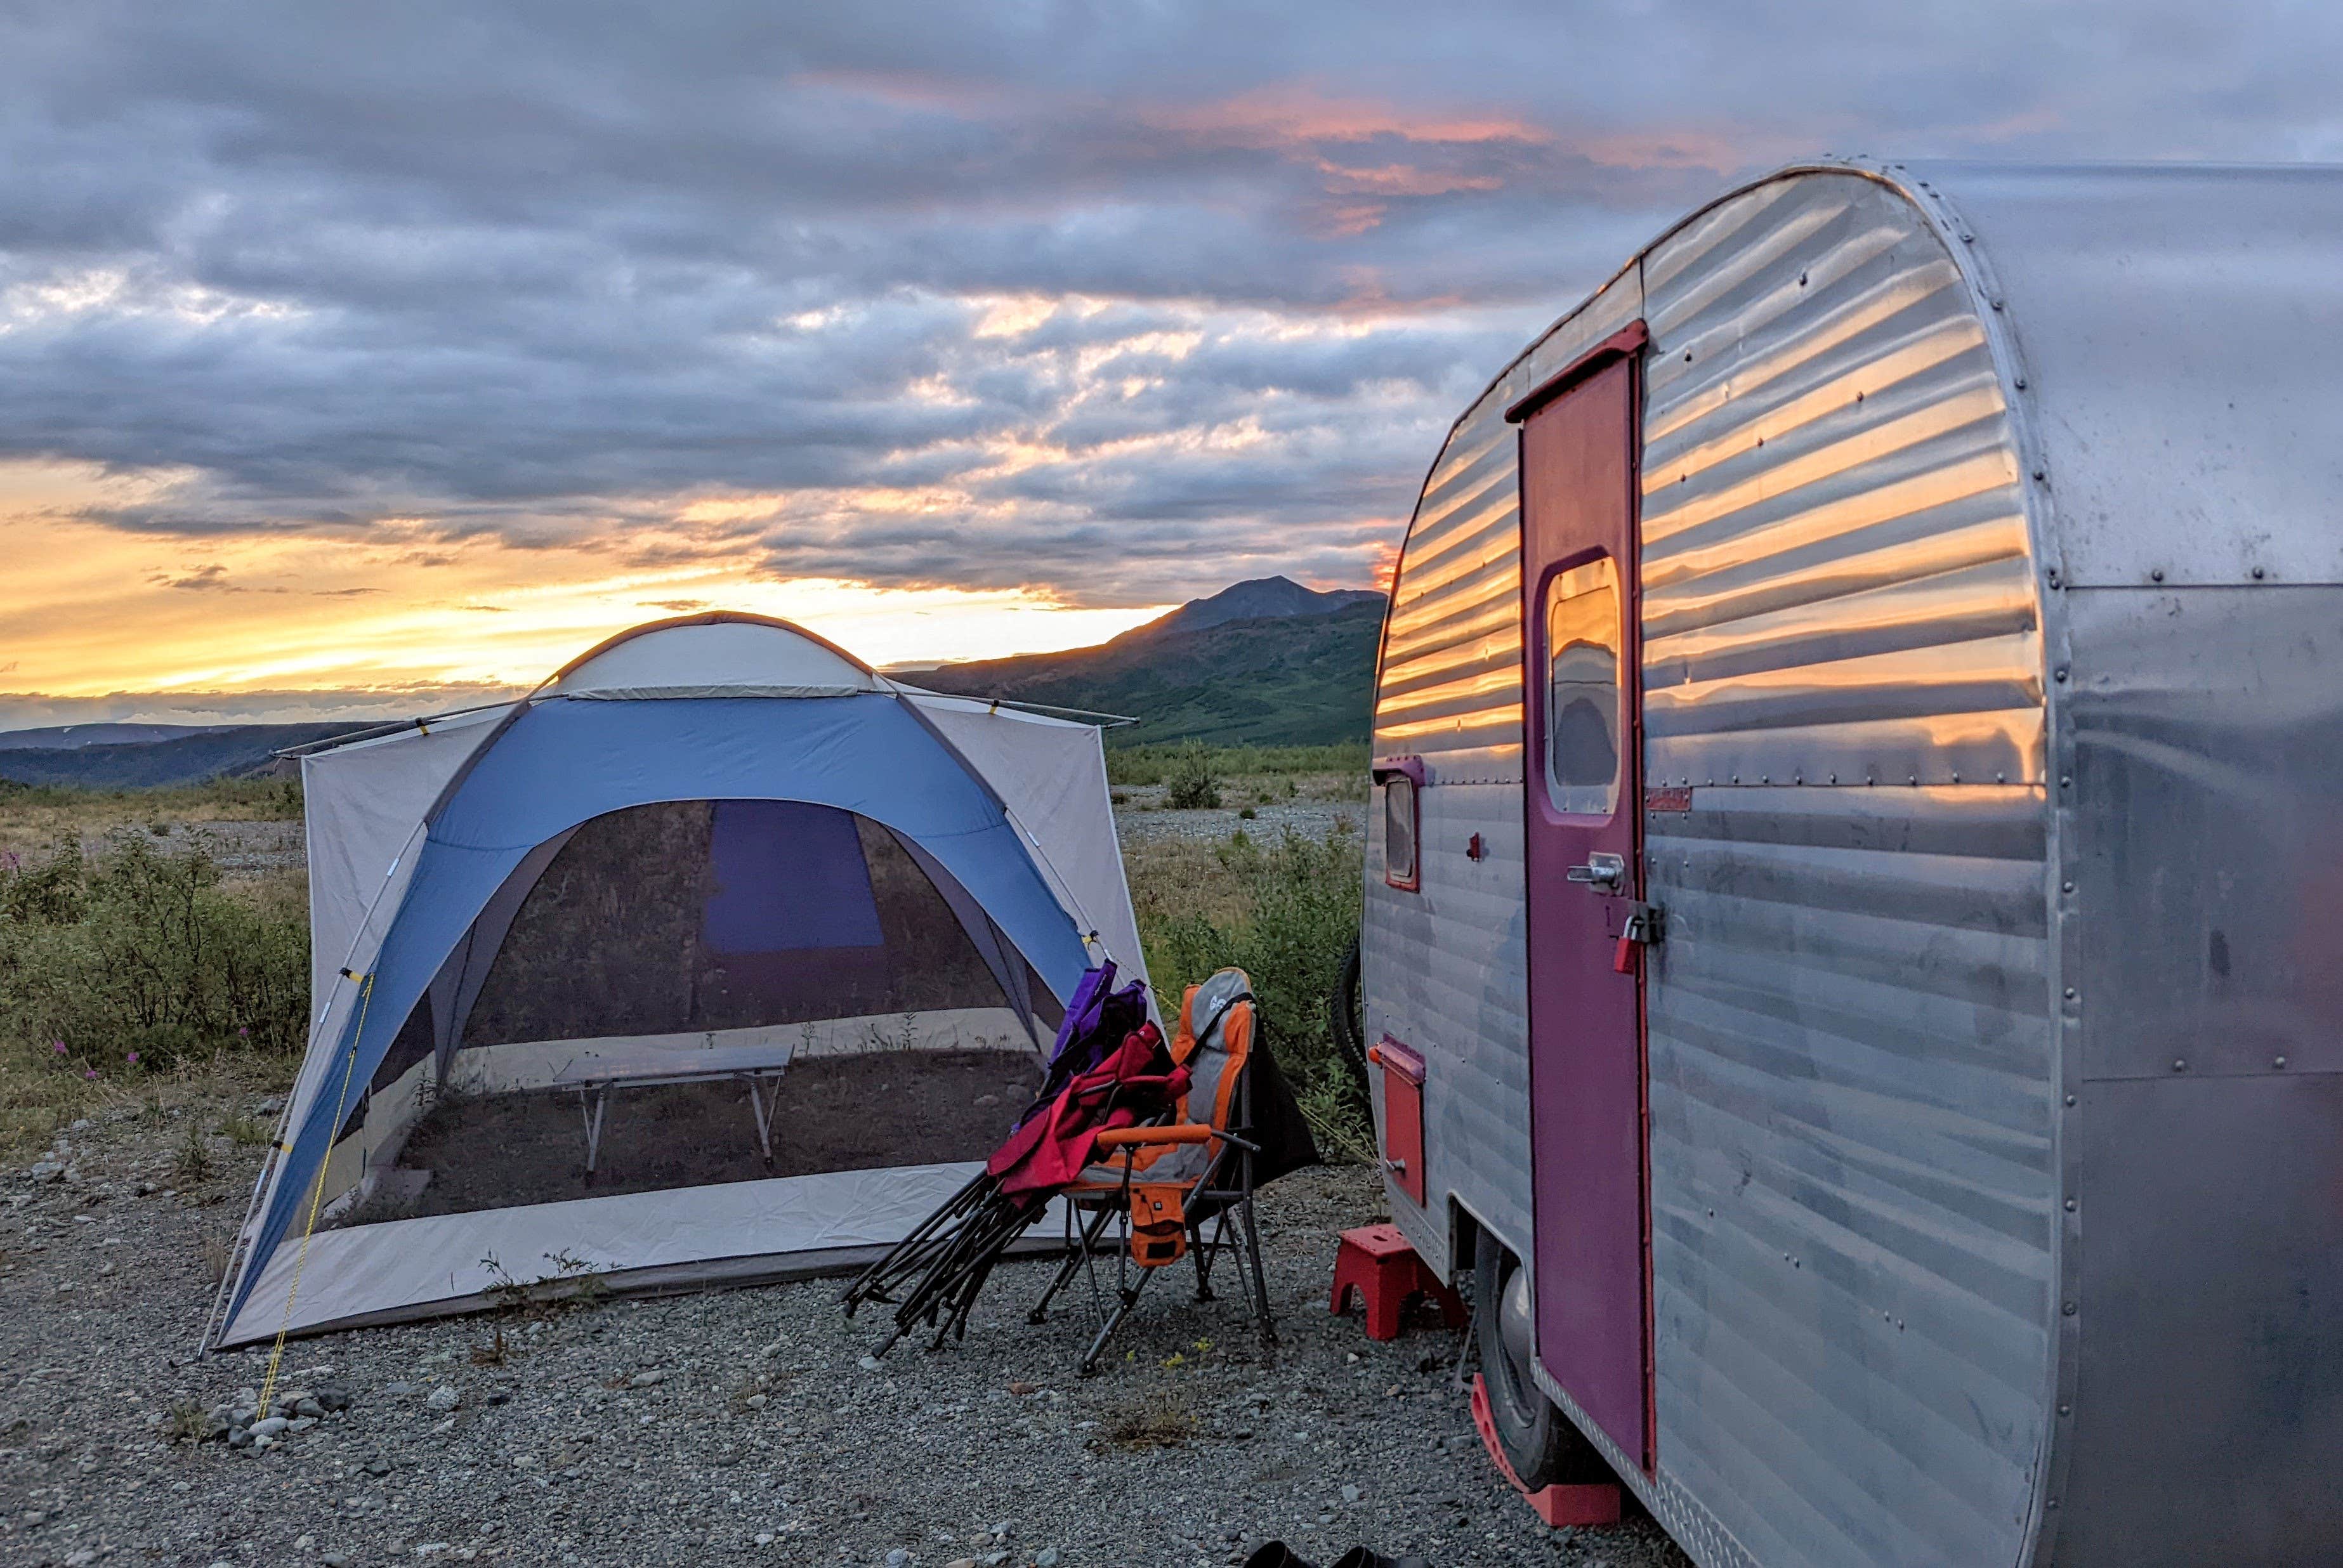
column 358, row 362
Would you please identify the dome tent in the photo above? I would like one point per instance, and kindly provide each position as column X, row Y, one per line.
column 721, row 956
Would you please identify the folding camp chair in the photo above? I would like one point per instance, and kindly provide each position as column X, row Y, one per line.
column 1180, row 1187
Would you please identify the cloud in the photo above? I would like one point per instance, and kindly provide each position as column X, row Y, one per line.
column 1114, row 303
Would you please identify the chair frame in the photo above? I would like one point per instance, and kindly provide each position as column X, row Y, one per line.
column 1225, row 1191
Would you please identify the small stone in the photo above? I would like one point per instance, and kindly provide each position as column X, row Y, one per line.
column 898, row 1558
column 395, row 1389
column 1350, row 1494
column 646, row 1379
column 377, row 1467
column 444, row 1398
column 764, row 1538
column 269, row 1426
column 239, row 1437
column 301, row 1424
column 81, row 1559
column 308, row 1408
column 1046, row 1558
column 47, row 1171
column 962, row 1563
column 304, row 1543
column 335, row 1559
column 868, row 1363
column 331, row 1397
column 757, row 1401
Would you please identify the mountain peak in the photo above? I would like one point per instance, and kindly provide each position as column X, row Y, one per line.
column 1258, row 598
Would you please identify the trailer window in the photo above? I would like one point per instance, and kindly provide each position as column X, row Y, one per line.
column 1399, row 831
column 1582, row 689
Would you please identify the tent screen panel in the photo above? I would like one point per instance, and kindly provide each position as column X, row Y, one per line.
column 700, row 992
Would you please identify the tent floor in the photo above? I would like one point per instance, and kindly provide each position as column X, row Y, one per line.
column 856, row 1112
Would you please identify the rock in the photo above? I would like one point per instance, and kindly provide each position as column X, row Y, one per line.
column 269, row 1107
column 1046, row 1558
column 335, row 1559
column 898, row 1558
column 47, row 1171
column 331, row 1397
column 962, row 1563
column 444, row 1398
column 301, row 1424
column 218, row 1424
column 646, row 1379
column 81, row 1559
column 308, row 1407
column 378, row 1466
column 868, row 1363
column 396, row 1390
column 1350, row 1494
column 303, row 1543
column 269, row 1426
column 241, row 1437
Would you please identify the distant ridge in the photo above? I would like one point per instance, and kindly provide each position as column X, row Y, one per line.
column 74, row 737
column 1266, row 662
column 200, row 753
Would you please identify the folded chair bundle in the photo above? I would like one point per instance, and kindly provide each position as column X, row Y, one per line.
column 1166, row 1145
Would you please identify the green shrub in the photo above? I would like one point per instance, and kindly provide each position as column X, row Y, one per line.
column 136, row 958
column 1193, row 786
column 1153, row 763
column 1300, row 915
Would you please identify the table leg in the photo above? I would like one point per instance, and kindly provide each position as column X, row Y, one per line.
column 601, row 1099
column 764, row 1119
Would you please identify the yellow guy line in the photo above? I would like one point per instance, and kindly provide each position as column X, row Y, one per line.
column 316, row 1196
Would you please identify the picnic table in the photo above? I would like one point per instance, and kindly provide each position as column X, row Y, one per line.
column 611, row 1065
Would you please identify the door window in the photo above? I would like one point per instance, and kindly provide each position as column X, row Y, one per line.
column 1582, row 689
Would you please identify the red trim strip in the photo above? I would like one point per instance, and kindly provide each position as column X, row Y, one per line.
column 1628, row 339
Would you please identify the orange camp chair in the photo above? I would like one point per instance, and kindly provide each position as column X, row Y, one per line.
column 1182, row 1187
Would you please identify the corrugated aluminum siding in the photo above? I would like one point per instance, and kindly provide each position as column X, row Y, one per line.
column 1447, row 963
column 1854, row 1186
column 1853, row 1174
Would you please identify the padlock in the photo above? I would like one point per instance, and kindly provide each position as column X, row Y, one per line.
column 1623, row 961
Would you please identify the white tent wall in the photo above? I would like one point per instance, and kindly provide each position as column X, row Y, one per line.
column 362, row 803
column 1050, row 773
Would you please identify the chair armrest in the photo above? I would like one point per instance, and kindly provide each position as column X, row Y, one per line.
column 1181, row 1132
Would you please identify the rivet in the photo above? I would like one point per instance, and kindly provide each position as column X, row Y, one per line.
column 2070, row 1100
column 2059, row 673
column 1834, row 778
column 2157, row 576
column 1687, row 355
column 2066, row 1410
column 2001, row 777
column 2070, row 993
column 1968, row 240
column 2068, row 1309
column 2065, row 781
column 1996, row 304
column 2258, row 573
column 2070, row 1205
column 2052, row 1505
column 1915, row 779
column 2066, row 887
column 1764, row 779
column 1802, row 280
column 2039, row 475
column 1737, row 778
column 2179, row 1064
column 2020, row 384
column 2278, row 1062
column 1956, row 777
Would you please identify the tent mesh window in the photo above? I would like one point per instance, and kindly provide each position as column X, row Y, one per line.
column 695, row 992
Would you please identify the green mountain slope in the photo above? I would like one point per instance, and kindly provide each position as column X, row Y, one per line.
column 1304, row 678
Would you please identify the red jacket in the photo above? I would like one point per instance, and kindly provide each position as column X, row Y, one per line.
column 1136, row 1082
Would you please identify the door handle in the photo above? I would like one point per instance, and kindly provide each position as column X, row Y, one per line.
column 1602, row 873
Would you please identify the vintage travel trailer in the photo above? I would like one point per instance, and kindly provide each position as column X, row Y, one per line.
column 1852, row 899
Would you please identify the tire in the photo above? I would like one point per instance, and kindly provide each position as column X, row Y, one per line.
column 1343, row 1020
column 1540, row 1442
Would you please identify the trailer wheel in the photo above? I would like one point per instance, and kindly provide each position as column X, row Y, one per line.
column 1539, row 1441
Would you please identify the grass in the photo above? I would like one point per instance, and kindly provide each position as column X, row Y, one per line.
column 129, row 963
column 1286, row 913
column 34, row 817
column 1158, row 763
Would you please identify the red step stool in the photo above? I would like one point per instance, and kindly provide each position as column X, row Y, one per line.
column 1376, row 1261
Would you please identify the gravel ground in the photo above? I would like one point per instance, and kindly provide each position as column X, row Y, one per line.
column 1142, row 821
column 730, row 1426
column 233, row 845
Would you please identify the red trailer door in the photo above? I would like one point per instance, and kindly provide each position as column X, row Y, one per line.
column 1581, row 768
